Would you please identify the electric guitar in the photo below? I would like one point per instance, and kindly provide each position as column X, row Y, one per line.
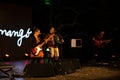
column 37, row 51
column 101, row 43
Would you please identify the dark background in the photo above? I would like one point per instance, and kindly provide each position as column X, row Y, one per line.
column 80, row 19
column 76, row 19
column 14, row 16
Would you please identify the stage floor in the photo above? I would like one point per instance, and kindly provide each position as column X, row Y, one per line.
column 85, row 72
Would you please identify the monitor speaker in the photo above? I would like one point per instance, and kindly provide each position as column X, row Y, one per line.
column 39, row 70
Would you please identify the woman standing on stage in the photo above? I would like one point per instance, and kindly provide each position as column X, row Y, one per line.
column 37, row 51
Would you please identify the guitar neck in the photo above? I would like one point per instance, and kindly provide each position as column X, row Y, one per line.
column 41, row 45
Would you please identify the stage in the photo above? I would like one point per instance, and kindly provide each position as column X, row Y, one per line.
column 84, row 72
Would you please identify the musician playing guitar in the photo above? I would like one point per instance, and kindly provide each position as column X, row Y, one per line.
column 36, row 39
column 38, row 42
column 99, row 43
column 99, row 40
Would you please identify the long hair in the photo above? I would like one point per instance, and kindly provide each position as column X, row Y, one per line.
column 35, row 29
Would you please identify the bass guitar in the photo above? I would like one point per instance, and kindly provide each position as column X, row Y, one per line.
column 37, row 51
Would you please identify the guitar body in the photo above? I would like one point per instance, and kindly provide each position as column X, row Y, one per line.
column 98, row 43
column 101, row 43
column 37, row 52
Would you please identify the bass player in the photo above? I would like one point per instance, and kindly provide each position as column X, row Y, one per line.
column 36, row 39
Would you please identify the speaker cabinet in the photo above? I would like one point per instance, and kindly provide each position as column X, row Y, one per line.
column 76, row 63
column 39, row 70
column 64, row 67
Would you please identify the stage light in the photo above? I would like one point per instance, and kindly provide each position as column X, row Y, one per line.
column 47, row 2
column 26, row 54
column 96, row 55
column 7, row 55
column 113, row 56
column 47, row 49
